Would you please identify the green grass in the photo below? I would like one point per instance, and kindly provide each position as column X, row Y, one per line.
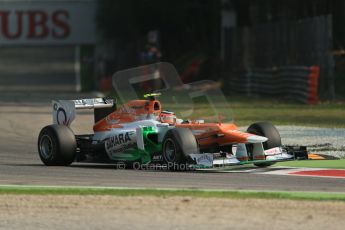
column 247, row 110
column 332, row 164
column 325, row 114
column 37, row 190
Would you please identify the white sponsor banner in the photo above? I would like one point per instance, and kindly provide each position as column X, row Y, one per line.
column 47, row 22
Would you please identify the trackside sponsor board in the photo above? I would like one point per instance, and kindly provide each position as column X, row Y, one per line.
column 47, row 22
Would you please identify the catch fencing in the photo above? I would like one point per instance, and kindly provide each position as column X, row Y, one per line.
column 298, row 83
column 283, row 44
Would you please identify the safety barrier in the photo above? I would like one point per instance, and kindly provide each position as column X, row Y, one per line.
column 299, row 83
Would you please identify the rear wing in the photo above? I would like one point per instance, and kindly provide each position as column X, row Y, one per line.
column 64, row 111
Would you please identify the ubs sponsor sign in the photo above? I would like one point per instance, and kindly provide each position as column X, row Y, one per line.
column 47, row 22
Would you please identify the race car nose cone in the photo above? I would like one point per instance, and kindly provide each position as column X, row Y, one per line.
column 256, row 139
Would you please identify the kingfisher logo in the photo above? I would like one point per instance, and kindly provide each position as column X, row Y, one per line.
column 205, row 159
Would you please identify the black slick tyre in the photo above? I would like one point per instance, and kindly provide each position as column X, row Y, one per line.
column 268, row 130
column 177, row 145
column 57, row 145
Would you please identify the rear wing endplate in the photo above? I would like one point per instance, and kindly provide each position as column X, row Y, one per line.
column 64, row 111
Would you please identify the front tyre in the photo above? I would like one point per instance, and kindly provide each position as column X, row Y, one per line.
column 57, row 145
column 268, row 130
column 177, row 145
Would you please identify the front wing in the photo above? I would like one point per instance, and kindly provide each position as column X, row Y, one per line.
column 286, row 153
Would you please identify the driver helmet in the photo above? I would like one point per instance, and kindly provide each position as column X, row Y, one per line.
column 167, row 117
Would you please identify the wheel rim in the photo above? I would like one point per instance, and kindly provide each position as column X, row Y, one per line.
column 46, row 146
column 169, row 150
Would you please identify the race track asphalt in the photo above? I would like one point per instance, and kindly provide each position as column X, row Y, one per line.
column 23, row 115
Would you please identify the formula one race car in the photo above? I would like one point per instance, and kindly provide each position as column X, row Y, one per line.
column 140, row 133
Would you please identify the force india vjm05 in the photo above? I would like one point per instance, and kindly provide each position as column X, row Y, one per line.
column 141, row 132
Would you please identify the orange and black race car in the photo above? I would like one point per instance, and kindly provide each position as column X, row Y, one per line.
column 140, row 133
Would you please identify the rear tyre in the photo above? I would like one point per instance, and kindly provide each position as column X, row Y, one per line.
column 268, row 130
column 177, row 145
column 57, row 145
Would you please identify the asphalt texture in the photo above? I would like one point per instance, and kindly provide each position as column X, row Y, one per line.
column 24, row 114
